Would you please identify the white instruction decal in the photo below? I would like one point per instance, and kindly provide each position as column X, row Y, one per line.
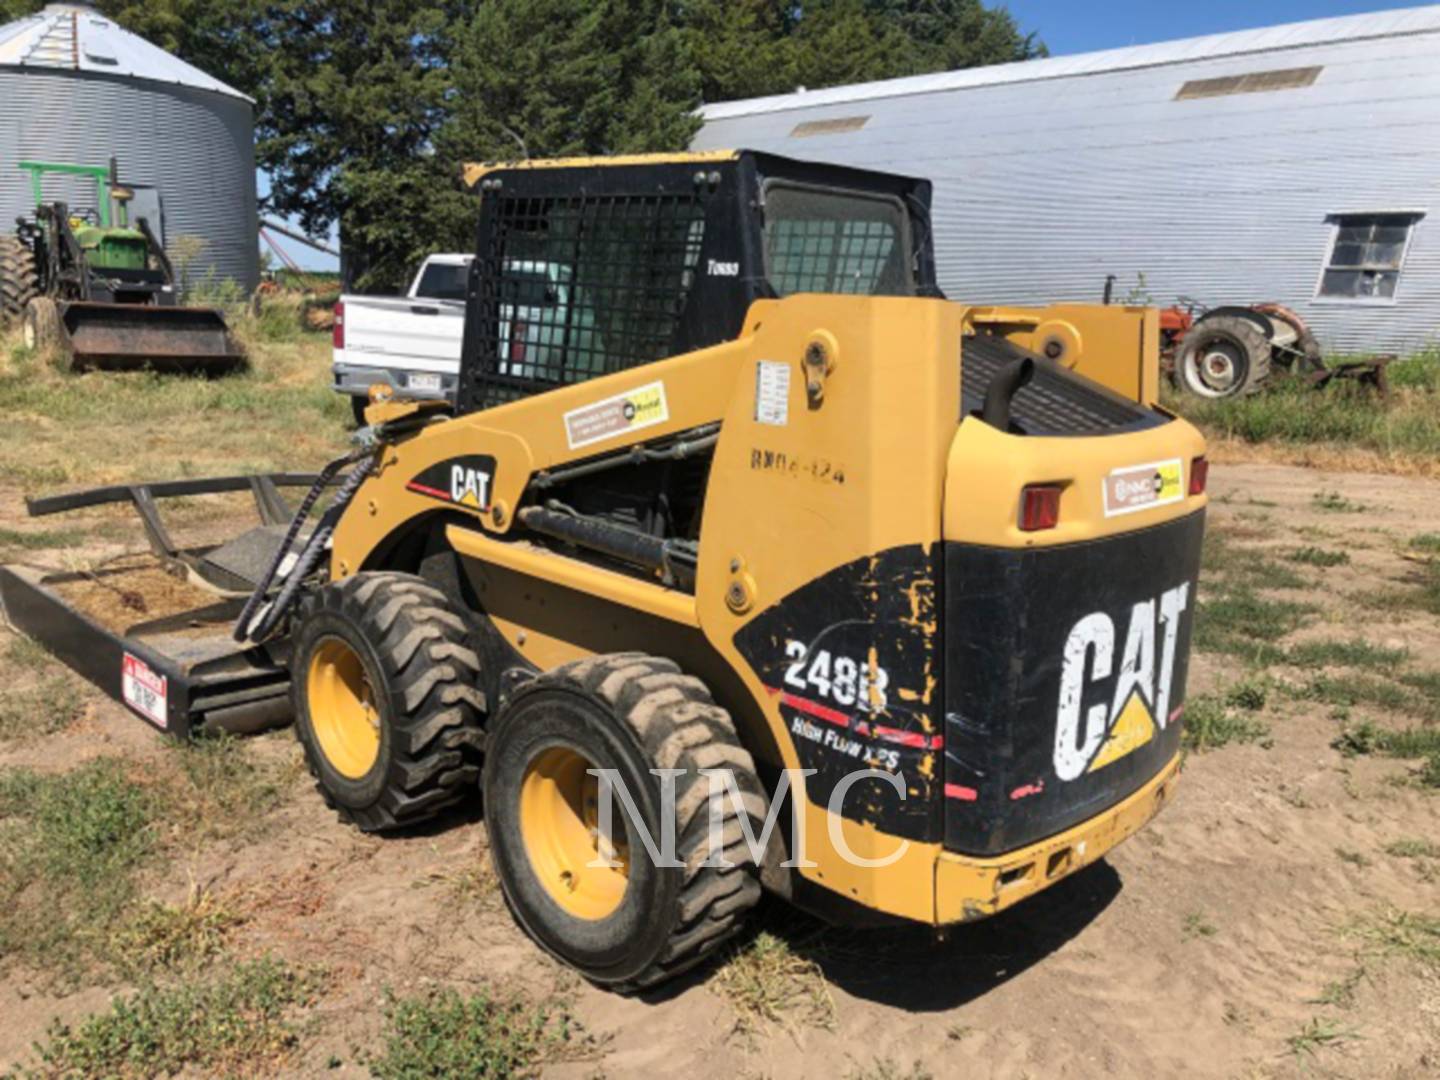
column 640, row 408
column 772, row 392
column 145, row 691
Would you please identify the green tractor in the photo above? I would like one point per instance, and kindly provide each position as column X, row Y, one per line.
column 97, row 290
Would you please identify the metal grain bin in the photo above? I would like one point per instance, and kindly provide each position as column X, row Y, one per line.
column 76, row 88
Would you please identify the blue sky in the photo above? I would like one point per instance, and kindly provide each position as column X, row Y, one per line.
column 1070, row 27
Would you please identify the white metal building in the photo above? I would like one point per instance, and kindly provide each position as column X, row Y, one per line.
column 1298, row 164
column 77, row 89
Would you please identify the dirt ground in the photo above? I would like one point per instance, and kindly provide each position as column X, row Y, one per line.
column 1242, row 934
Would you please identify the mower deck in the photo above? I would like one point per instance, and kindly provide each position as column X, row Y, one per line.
column 157, row 634
column 181, row 672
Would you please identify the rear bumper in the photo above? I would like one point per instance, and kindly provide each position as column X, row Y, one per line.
column 969, row 888
column 356, row 380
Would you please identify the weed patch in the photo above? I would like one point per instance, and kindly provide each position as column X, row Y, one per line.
column 1402, row 933
column 1355, row 652
column 224, row 790
column 1210, row 724
column 489, row 1036
column 51, row 705
column 1241, row 622
column 1352, row 689
column 234, row 1024
column 1314, row 556
column 170, row 937
column 1332, row 502
column 1317, row 1035
column 1413, row 849
column 766, row 981
column 69, row 846
column 1407, row 425
column 1195, row 925
column 41, row 539
column 886, row 1068
column 1422, row 743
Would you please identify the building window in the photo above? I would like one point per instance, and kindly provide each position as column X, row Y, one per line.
column 1254, row 82
column 1366, row 255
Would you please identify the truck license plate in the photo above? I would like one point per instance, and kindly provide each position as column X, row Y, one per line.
column 428, row 383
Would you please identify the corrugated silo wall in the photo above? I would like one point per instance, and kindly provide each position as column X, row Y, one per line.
column 197, row 147
column 1043, row 188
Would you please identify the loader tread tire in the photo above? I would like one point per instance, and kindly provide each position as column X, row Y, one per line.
column 412, row 642
column 18, row 280
column 672, row 722
column 43, row 334
column 1236, row 336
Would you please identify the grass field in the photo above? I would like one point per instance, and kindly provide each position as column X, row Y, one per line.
column 1344, row 425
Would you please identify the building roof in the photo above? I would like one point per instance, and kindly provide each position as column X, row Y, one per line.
column 76, row 37
column 1379, row 24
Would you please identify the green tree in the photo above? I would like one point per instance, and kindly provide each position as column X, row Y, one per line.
column 366, row 111
column 579, row 77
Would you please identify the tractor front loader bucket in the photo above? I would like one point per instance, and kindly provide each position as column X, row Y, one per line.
column 124, row 337
column 154, row 630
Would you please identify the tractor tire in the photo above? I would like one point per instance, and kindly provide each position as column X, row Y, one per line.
column 18, row 281
column 1223, row 356
column 386, row 705
column 638, row 924
column 42, row 325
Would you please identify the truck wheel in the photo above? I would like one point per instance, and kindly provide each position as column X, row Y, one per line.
column 636, row 924
column 386, row 705
column 1223, row 356
column 18, row 280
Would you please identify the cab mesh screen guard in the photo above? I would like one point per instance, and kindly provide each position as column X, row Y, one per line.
column 576, row 287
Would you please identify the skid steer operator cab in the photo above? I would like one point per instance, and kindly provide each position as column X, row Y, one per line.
column 666, row 257
column 732, row 486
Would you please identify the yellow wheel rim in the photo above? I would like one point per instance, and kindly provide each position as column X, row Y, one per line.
column 343, row 710
column 560, row 824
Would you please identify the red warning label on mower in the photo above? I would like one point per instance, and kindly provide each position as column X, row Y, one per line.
column 144, row 690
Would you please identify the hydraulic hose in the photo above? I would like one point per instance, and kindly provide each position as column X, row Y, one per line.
column 243, row 631
column 310, row 556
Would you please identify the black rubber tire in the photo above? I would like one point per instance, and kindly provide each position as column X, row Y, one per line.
column 1250, row 347
column 633, row 713
column 42, row 330
column 18, row 281
column 412, row 644
column 358, row 405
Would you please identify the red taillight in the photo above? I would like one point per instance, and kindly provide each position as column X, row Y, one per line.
column 1039, row 507
column 337, row 336
column 1199, row 474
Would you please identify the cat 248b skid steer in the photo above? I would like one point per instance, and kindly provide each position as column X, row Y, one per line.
column 824, row 583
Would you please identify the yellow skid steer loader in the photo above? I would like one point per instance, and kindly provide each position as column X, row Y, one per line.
column 748, row 560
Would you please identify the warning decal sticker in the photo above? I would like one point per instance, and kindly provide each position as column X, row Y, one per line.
column 630, row 411
column 145, row 691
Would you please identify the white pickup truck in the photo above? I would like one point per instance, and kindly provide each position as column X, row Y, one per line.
column 412, row 343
